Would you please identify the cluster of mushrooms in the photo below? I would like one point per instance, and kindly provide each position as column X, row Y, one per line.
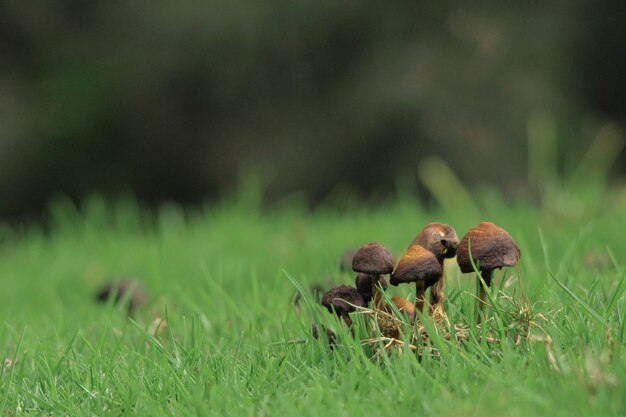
column 483, row 248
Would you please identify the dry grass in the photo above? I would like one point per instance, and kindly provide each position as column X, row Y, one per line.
column 392, row 331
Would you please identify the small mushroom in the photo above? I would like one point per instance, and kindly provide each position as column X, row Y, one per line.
column 131, row 291
column 364, row 286
column 345, row 262
column 442, row 241
column 373, row 259
column 316, row 292
column 491, row 248
column 404, row 306
column 343, row 300
column 419, row 266
column 330, row 335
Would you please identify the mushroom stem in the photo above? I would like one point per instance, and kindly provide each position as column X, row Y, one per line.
column 482, row 295
column 345, row 318
column 377, row 297
column 347, row 321
column 419, row 295
column 437, row 292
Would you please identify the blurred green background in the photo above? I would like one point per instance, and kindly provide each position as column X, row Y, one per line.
column 175, row 100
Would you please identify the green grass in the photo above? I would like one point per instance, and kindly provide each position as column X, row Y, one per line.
column 223, row 278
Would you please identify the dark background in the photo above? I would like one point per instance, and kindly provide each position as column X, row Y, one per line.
column 179, row 100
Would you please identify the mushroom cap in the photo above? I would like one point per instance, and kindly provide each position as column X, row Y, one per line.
column 440, row 239
column 342, row 299
column 363, row 284
column 417, row 264
column 491, row 246
column 373, row 259
column 405, row 305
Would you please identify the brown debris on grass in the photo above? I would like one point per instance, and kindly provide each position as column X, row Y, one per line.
column 158, row 327
column 9, row 362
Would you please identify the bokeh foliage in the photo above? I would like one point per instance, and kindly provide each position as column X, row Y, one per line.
column 173, row 99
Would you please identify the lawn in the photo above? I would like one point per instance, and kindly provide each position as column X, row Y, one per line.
column 222, row 279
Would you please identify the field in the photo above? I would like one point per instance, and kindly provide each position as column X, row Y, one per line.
column 222, row 279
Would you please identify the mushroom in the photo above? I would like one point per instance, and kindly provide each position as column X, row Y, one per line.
column 127, row 290
column 373, row 259
column 345, row 262
column 330, row 335
column 316, row 292
column 404, row 305
column 364, row 285
column 491, row 248
column 343, row 300
column 420, row 266
column 442, row 241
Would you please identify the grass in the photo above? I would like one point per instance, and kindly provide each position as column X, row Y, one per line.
column 223, row 279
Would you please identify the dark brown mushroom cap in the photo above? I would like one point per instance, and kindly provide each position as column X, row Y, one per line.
column 373, row 259
column 417, row 264
column 342, row 300
column 440, row 239
column 364, row 285
column 491, row 247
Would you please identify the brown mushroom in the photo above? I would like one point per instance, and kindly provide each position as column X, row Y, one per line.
column 343, row 300
column 373, row 259
column 404, row 306
column 129, row 291
column 330, row 335
column 364, row 285
column 442, row 241
column 316, row 292
column 491, row 248
column 419, row 266
column 345, row 262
